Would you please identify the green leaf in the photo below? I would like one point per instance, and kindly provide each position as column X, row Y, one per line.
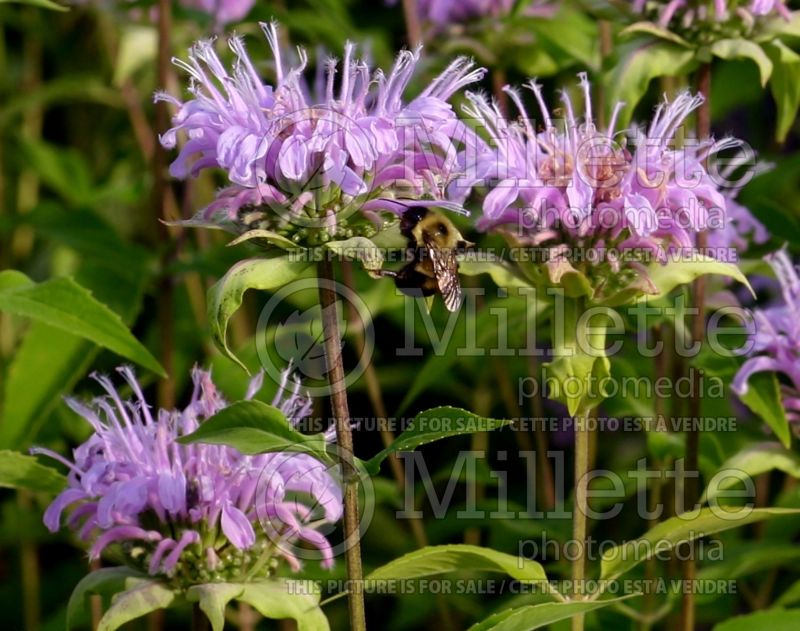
column 654, row 30
column 584, row 370
column 434, row 560
column 63, row 304
column 503, row 274
column 752, row 462
column 37, row 377
column 749, row 557
column 225, row 297
column 790, row 597
column 773, row 619
column 213, row 598
column 143, row 598
column 270, row 237
column 253, row 427
column 763, row 397
column 61, row 90
column 18, row 471
column 785, row 85
column 358, row 249
column 744, row 49
column 580, row 367
column 681, row 271
column 532, row 617
column 682, row 529
column 45, row 4
column 435, row 424
column 137, row 48
column 279, row 599
column 106, row 582
column 641, row 60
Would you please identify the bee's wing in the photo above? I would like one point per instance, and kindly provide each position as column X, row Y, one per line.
column 445, row 269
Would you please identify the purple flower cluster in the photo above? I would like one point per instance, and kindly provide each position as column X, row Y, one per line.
column 441, row 14
column 631, row 195
column 776, row 342
column 686, row 13
column 193, row 513
column 311, row 158
column 223, row 11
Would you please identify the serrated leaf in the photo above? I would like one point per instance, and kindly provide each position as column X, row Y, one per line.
column 773, row 619
column 358, row 249
column 105, row 582
column 253, row 427
column 532, row 617
column 279, row 599
column 135, row 602
column 744, row 49
column 763, row 397
column 435, row 560
column 63, row 304
column 432, row 425
column 213, row 598
column 681, row 271
column 18, row 471
column 682, row 529
column 225, row 297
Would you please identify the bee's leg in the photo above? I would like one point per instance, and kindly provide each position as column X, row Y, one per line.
column 386, row 272
column 413, row 283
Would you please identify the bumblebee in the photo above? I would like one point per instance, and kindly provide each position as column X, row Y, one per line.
column 433, row 243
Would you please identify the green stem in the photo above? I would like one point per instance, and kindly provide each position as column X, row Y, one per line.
column 579, row 519
column 31, row 578
column 161, row 199
column 692, row 486
column 344, row 438
column 199, row 619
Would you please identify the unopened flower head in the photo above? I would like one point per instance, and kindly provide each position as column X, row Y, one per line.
column 776, row 341
column 321, row 163
column 192, row 513
column 633, row 195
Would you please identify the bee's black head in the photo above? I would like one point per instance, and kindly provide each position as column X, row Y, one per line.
column 411, row 218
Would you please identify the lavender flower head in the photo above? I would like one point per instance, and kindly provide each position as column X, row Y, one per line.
column 321, row 164
column 776, row 342
column 587, row 198
column 696, row 18
column 442, row 14
column 222, row 11
column 191, row 513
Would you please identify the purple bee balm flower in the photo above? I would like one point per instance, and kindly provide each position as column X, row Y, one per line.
column 317, row 164
column 192, row 513
column 223, row 11
column 687, row 15
column 441, row 14
column 776, row 341
column 573, row 186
